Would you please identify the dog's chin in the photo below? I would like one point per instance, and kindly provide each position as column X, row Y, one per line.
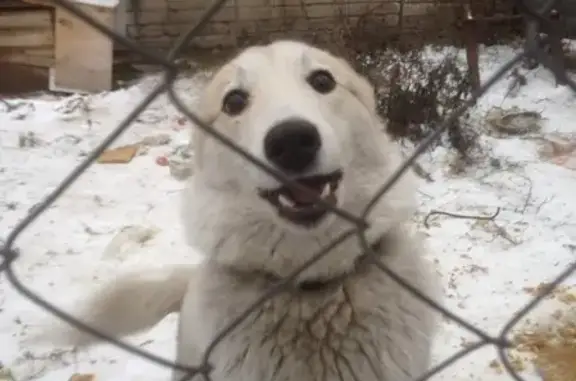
column 301, row 208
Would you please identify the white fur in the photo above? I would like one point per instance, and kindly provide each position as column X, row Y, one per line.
column 131, row 303
column 369, row 328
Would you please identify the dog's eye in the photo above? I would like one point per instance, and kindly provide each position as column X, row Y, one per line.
column 321, row 81
column 235, row 102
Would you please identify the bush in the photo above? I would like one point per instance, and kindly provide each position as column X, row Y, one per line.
column 416, row 93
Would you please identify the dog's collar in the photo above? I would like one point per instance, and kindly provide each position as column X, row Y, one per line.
column 320, row 284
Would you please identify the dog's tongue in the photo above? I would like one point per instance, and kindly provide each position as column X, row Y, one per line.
column 310, row 197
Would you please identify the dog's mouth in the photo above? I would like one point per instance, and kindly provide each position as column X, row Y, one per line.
column 300, row 207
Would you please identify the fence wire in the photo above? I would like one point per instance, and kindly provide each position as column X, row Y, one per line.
column 550, row 26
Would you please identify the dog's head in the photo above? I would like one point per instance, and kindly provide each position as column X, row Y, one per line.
column 306, row 114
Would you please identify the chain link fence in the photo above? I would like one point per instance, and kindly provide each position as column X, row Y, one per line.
column 550, row 27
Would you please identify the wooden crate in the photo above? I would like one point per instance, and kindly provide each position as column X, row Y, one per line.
column 27, row 36
column 39, row 33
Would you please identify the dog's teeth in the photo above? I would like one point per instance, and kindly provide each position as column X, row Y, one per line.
column 285, row 201
column 326, row 191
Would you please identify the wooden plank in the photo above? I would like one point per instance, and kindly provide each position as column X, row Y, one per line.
column 17, row 5
column 83, row 56
column 45, row 62
column 93, row 3
column 35, row 52
column 15, row 38
column 43, row 57
column 120, row 7
column 26, row 19
column 47, row 3
column 121, row 22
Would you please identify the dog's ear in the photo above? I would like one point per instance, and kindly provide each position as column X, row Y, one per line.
column 357, row 84
column 207, row 109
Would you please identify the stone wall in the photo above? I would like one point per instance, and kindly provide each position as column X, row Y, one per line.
column 157, row 23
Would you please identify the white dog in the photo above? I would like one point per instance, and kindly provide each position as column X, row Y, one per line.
column 309, row 115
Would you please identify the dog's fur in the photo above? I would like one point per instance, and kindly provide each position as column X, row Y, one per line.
column 368, row 328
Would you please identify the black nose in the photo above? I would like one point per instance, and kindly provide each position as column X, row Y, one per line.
column 292, row 145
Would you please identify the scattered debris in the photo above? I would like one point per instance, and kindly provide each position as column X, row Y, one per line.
column 518, row 81
column 150, row 117
column 28, row 140
column 551, row 347
column 82, row 377
column 72, row 104
column 68, row 138
column 118, row 155
column 421, row 172
column 494, row 364
column 21, row 110
column 180, row 162
column 181, row 122
column 562, row 293
column 557, row 363
column 156, row 140
column 74, row 107
column 162, row 161
column 180, row 170
column 6, row 374
column 513, row 121
column 461, row 216
column 128, row 239
column 559, row 150
column 499, row 231
column 143, row 150
column 6, row 105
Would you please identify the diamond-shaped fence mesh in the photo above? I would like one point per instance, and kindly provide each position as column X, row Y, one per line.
column 551, row 31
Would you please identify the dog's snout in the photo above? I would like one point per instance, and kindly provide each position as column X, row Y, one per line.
column 292, row 145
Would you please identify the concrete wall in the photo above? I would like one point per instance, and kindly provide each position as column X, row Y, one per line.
column 158, row 23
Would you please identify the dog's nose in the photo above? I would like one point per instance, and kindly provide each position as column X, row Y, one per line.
column 292, row 145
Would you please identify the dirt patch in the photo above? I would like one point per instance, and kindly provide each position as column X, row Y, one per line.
column 550, row 346
column 553, row 349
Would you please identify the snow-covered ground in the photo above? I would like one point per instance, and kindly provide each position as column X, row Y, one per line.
column 486, row 266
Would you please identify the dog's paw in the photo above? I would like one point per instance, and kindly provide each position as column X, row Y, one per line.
column 56, row 334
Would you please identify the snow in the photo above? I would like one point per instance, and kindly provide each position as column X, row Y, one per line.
column 100, row 3
column 485, row 267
